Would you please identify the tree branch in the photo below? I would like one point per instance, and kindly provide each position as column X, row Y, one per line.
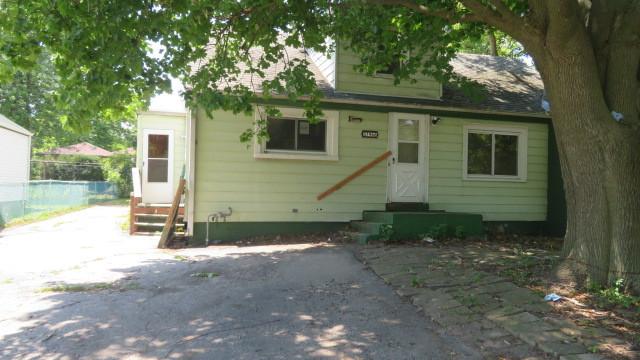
column 498, row 16
column 448, row 15
column 502, row 18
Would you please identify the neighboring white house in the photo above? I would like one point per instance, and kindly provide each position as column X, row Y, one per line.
column 15, row 159
column 15, row 156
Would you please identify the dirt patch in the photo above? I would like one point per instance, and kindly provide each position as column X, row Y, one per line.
column 312, row 238
column 62, row 287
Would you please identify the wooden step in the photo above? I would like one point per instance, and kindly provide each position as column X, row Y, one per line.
column 155, row 210
column 152, row 224
column 158, row 216
column 147, row 233
column 143, row 205
column 148, row 224
column 151, row 233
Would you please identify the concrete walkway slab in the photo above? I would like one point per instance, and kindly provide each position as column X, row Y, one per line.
column 461, row 299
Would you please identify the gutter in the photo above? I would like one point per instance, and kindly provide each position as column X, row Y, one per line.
column 413, row 106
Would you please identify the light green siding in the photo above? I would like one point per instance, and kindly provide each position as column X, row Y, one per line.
column 495, row 200
column 164, row 121
column 349, row 80
column 259, row 190
column 227, row 175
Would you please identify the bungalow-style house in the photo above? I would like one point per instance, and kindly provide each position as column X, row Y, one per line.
column 411, row 157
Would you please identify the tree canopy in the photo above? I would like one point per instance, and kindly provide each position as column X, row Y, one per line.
column 29, row 100
column 103, row 58
column 587, row 53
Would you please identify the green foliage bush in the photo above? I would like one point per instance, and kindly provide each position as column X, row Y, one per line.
column 67, row 168
column 459, row 232
column 614, row 296
column 117, row 170
column 386, row 232
column 438, row 232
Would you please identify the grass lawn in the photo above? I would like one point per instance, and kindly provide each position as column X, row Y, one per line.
column 41, row 216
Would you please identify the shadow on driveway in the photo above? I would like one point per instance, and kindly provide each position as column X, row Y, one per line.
column 276, row 302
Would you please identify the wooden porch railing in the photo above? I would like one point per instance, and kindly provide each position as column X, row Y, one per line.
column 137, row 182
column 353, row 176
column 135, row 199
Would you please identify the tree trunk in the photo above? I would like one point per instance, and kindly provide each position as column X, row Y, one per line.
column 600, row 164
column 493, row 44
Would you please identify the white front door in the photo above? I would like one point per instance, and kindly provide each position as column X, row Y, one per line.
column 407, row 169
column 157, row 166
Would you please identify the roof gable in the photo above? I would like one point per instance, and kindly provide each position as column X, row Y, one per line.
column 83, row 148
column 10, row 125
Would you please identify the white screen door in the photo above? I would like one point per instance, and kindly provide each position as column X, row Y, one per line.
column 407, row 170
column 157, row 166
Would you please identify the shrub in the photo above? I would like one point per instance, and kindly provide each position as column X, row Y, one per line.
column 67, row 168
column 614, row 295
column 386, row 232
column 438, row 232
column 117, row 170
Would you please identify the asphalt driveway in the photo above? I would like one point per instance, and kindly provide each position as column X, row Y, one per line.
column 77, row 286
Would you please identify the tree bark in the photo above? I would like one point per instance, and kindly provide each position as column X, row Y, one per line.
column 493, row 44
column 600, row 162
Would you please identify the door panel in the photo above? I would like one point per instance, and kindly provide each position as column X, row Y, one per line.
column 407, row 169
column 157, row 164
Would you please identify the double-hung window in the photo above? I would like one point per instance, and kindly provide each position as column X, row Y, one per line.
column 494, row 153
column 292, row 136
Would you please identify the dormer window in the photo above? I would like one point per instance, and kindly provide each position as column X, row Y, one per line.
column 391, row 68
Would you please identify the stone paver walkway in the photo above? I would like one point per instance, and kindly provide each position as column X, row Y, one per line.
column 504, row 319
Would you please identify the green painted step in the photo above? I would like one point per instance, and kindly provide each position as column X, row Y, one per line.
column 407, row 206
column 362, row 238
column 412, row 224
column 384, row 217
column 367, row 227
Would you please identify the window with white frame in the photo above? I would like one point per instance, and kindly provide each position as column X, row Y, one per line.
column 292, row 136
column 495, row 153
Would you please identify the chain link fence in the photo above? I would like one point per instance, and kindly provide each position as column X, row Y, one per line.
column 19, row 200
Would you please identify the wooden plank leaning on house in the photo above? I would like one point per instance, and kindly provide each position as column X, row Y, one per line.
column 169, row 226
column 354, row 175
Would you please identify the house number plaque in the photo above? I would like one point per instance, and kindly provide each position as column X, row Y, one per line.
column 369, row 134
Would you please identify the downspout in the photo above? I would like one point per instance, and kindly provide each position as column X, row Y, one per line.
column 190, row 160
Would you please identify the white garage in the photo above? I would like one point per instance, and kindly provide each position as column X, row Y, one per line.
column 15, row 154
column 15, row 158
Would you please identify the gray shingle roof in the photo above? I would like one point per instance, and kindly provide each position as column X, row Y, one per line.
column 509, row 85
